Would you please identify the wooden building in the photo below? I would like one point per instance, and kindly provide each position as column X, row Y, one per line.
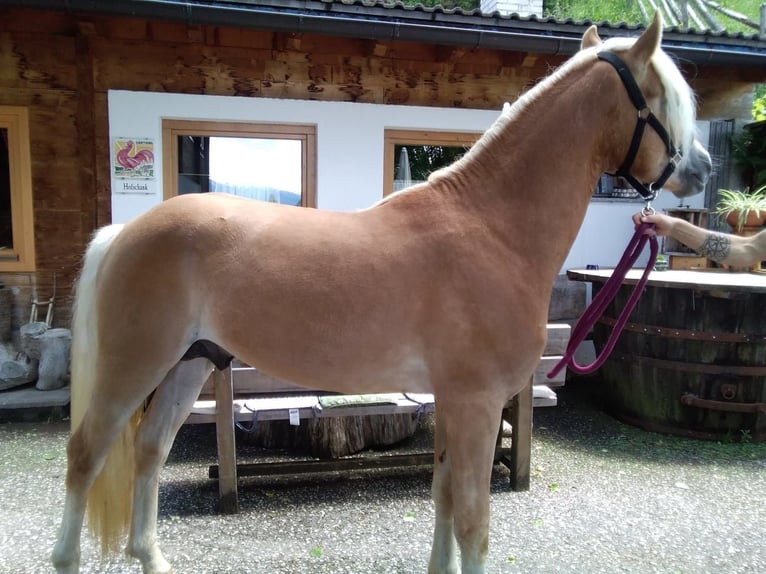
column 60, row 60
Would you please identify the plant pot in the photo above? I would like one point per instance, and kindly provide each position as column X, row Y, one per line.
column 752, row 220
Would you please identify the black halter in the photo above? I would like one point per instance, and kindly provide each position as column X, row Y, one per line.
column 645, row 116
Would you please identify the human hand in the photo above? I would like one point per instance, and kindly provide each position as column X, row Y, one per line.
column 663, row 224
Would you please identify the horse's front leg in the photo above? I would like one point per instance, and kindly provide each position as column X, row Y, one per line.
column 444, row 549
column 471, row 426
column 167, row 411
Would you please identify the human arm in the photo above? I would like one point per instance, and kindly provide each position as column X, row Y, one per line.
column 720, row 247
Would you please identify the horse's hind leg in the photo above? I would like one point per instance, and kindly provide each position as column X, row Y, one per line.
column 170, row 405
column 444, row 549
column 86, row 452
column 80, row 476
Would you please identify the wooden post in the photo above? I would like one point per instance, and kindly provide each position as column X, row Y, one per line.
column 521, row 444
column 227, row 451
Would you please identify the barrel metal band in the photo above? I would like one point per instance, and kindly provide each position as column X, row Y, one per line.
column 692, row 400
column 673, row 333
column 700, row 368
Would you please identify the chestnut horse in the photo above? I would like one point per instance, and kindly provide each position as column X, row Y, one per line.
column 442, row 288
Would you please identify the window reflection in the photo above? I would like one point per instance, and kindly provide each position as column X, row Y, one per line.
column 413, row 163
column 266, row 169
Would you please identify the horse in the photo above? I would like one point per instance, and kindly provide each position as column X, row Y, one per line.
column 442, row 288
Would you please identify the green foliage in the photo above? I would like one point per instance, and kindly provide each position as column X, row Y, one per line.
column 759, row 103
column 594, row 10
column 425, row 159
column 627, row 11
column 749, row 149
column 749, row 8
column 466, row 5
column 741, row 202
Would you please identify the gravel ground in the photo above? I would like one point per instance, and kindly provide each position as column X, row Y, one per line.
column 605, row 497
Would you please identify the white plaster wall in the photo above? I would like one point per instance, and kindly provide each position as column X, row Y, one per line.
column 349, row 154
column 608, row 227
column 349, row 137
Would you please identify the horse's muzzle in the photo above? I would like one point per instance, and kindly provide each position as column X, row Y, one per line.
column 691, row 176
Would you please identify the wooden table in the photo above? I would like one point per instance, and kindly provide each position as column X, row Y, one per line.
column 700, row 280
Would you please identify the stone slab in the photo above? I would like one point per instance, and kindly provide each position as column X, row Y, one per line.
column 31, row 398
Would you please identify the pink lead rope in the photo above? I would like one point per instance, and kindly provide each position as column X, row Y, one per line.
column 604, row 297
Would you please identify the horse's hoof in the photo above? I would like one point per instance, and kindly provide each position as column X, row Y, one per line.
column 69, row 568
column 157, row 566
column 65, row 565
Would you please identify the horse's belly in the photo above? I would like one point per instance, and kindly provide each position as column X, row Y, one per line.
column 355, row 376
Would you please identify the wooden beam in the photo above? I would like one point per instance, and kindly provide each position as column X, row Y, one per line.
column 86, row 134
column 449, row 53
column 521, row 444
column 227, row 453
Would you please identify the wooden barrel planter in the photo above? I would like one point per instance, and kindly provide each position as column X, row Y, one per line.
column 691, row 361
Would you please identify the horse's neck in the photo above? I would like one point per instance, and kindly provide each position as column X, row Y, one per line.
column 534, row 179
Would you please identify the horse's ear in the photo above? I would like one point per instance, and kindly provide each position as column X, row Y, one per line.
column 648, row 43
column 590, row 39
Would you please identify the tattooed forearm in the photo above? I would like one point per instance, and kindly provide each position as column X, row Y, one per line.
column 716, row 247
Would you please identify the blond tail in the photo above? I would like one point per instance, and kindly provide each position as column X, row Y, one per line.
column 110, row 499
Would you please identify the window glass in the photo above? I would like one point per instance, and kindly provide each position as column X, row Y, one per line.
column 409, row 156
column 17, row 242
column 6, row 220
column 272, row 163
column 413, row 163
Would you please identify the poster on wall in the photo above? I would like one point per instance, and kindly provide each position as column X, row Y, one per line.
column 133, row 165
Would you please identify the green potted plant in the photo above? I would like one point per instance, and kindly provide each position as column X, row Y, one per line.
column 742, row 208
column 749, row 149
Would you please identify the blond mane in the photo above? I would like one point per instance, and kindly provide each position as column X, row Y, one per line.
column 678, row 104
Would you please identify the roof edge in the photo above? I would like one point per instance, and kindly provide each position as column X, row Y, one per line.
column 437, row 27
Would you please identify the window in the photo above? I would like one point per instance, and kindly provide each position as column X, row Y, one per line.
column 614, row 187
column 410, row 155
column 268, row 162
column 17, row 243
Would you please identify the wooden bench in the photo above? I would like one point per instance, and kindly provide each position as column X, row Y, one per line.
column 243, row 395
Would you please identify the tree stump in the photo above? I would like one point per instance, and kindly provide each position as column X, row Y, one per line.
column 51, row 348
column 333, row 437
column 21, row 371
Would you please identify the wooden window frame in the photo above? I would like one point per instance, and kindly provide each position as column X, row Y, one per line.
column 305, row 133
column 394, row 137
column 22, row 257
